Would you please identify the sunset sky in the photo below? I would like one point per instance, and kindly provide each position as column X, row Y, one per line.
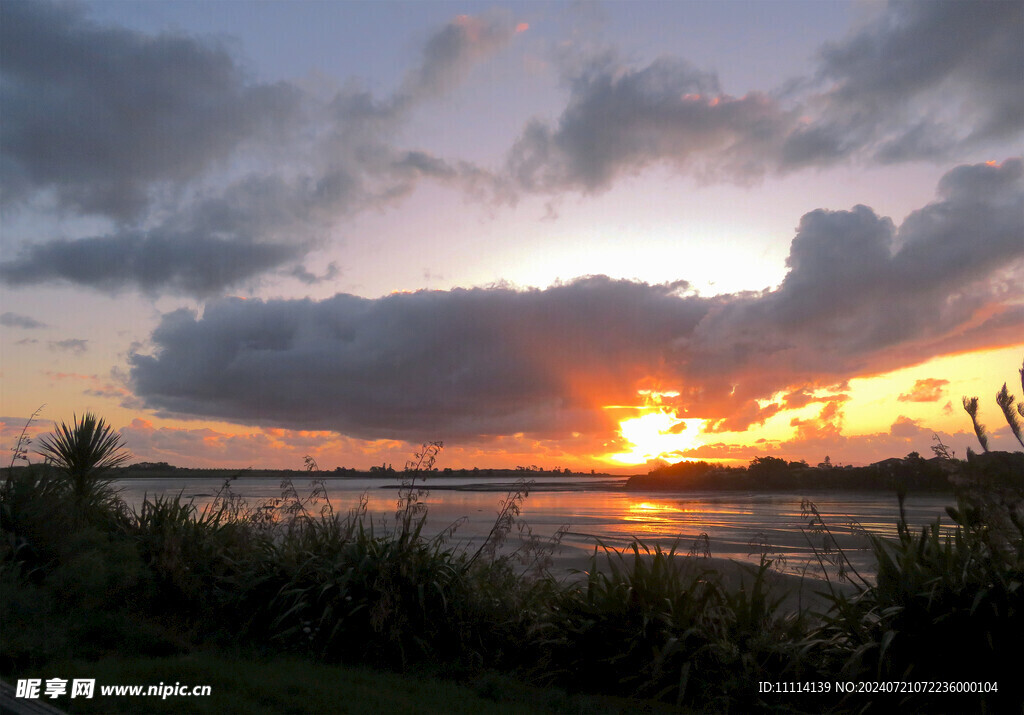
column 579, row 234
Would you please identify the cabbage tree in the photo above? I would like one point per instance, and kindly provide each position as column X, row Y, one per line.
column 83, row 451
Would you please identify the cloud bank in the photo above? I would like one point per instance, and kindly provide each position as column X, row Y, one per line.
column 152, row 133
column 101, row 114
column 861, row 295
column 210, row 179
column 922, row 81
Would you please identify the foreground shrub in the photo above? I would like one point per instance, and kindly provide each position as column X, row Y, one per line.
column 343, row 589
column 650, row 624
column 945, row 608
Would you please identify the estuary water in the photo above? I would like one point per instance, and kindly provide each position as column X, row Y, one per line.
column 588, row 511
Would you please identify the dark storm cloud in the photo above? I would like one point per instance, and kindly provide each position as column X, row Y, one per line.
column 100, row 114
column 926, row 80
column 860, row 295
column 16, row 320
column 110, row 119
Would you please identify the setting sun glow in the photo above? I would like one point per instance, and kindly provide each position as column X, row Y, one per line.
column 656, row 435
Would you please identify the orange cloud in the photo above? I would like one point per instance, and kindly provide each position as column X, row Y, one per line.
column 95, row 386
column 827, row 425
column 926, row 390
column 286, row 449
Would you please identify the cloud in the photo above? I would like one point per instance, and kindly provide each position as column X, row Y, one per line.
column 826, row 426
column 957, row 64
column 619, row 120
column 861, row 295
column 16, row 320
column 94, row 385
column 102, row 114
column 922, row 81
column 903, row 437
column 155, row 262
column 461, row 363
column 210, row 179
column 153, row 132
column 272, row 448
column 286, row 449
column 805, row 395
column 12, row 428
column 302, row 274
column 72, row 345
column 926, row 390
column 451, row 52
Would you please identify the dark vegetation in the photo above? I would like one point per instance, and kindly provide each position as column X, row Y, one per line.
column 911, row 473
column 384, row 472
column 84, row 579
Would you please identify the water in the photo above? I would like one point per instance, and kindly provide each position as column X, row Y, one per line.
column 591, row 509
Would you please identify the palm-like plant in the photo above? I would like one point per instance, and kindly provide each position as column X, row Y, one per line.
column 83, row 452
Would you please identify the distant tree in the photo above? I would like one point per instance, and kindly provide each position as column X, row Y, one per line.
column 767, row 465
column 683, row 469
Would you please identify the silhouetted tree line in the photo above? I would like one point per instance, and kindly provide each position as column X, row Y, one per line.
column 910, row 473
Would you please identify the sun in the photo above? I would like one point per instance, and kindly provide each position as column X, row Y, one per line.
column 657, row 434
